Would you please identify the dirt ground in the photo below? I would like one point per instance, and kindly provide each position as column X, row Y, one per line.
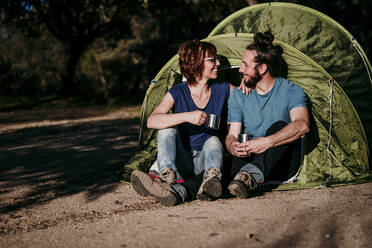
column 60, row 171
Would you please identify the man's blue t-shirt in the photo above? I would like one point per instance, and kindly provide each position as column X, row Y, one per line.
column 194, row 136
column 258, row 112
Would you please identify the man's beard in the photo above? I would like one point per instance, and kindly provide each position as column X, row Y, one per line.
column 253, row 80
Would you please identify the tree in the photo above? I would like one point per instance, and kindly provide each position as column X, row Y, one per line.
column 128, row 64
column 75, row 23
column 30, row 67
column 174, row 22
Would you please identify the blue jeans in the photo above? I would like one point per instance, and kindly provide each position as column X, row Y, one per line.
column 172, row 155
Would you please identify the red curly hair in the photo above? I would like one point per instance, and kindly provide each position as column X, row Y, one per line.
column 191, row 58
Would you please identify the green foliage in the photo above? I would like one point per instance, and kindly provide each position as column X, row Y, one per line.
column 76, row 24
column 29, row 67
column 106, row 51
column 129, row 63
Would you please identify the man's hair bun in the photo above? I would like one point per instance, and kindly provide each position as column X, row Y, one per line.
column 268, row 53
column 264, row 39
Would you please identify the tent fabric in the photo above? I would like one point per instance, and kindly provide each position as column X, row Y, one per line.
column 346, row 159
column 319, row 37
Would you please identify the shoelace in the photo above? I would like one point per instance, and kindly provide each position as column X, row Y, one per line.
column 247, row 179
column 213, row 172
column 167, row 175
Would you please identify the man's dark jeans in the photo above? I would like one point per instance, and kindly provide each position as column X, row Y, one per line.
column 277, row 163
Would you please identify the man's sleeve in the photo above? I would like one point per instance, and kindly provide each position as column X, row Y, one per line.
column 297, row 97
column 234, row 108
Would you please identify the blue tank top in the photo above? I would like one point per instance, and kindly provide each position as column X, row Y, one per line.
column 194, row 136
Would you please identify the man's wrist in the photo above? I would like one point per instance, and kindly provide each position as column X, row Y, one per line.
column 270, row 141
column 231, row 150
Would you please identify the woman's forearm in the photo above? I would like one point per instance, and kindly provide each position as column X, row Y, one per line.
column 161, row 121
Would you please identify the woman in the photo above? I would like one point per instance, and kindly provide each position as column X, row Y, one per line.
column 186, row 147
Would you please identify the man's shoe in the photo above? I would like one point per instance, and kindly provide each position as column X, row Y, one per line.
column 163, row 192
column 168, row 175
column 242, row 184
column 211, row 187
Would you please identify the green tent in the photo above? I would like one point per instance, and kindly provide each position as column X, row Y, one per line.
column 323, row 59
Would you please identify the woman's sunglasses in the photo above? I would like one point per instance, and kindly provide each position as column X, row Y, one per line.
column 213, row 59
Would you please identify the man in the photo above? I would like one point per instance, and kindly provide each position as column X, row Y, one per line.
column 274, row 113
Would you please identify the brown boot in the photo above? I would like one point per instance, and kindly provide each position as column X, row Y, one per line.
column 211, row 187
column 242, row 184
column 145, row 185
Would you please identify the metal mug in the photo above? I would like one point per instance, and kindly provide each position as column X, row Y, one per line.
column 244, row 137
column 213, row 121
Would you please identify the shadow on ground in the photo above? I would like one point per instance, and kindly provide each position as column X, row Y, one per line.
column 51, row 114
column 44, row 163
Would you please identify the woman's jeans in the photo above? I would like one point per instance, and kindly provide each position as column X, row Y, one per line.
column 172, row 155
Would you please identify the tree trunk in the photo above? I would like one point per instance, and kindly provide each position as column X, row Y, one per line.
column 101, row 77
column 73, row 55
